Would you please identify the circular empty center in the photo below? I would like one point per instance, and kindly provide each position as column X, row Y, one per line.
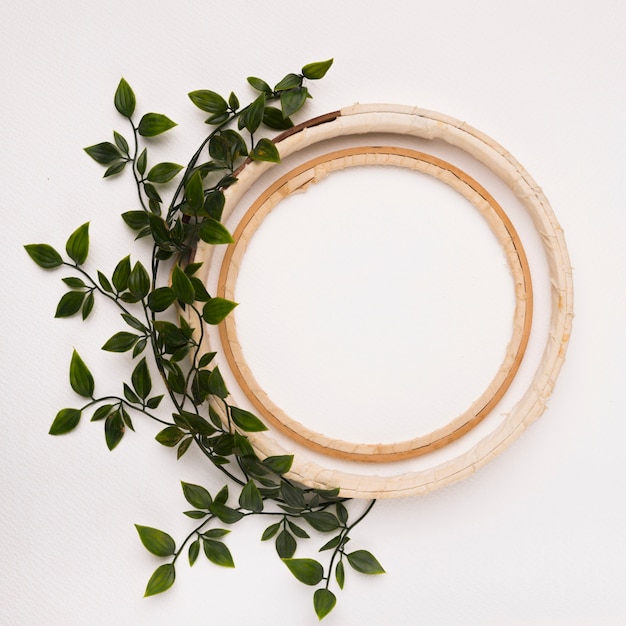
column 376, row 306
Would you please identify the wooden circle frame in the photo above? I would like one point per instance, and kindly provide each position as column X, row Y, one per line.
column 315, row 170
column 424, row 124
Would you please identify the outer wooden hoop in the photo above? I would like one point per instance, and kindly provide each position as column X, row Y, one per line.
column 313, row 171
column 413, row 121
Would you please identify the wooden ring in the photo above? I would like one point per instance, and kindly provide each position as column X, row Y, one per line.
column 407, row 121
column 312, row 172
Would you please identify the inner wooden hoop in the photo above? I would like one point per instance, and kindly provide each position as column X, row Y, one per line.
column 410, row 121
column 315, row 170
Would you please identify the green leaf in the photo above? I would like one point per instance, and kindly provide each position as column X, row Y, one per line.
column 297, row 531
column 194, row 192
column 124, row 99
column 65, row 421
column 218, row 553
column 340, row 574
column 292, row 495
column 163, row 172
column 140, row 346
column 172, row 336
column 328, row 494
column 154, row 402
column 243, row 448
column 120, row 142
column 217, row 386
column 216, row 533
column 270, row 531
column 202, row 295
column 136, row 219
column 315, row 71
column 246, row 420
column 214, row 204
column 152, row 124
column 250, row 498
column 364, row 562
column 279, row 464
column 159, row 230
column 183, row 447
column 44, row 255
column 139, row 281
column 330, row 545
column 181, row 284
column 142, row 161
column 236, row 144
column 292, row 100
column 115, row 168
column 88, row 305
column 170, row 436
column 307, row 571
column 197, row 495
column 219, row 148
column 194, row 551
column 225, row 514
column 162, row 579
column 126, row 419
column 196, row 423
column 192, row 268
column 121, row 273
column 74, row 283
column 222, row 495
column 161, row 299
column 233, row 101
column 214, row 415
column 141, row 380
column 200, row 386
column 153, row 194
column 273, row 118
column 285, row 545
column 217, row 118
column 80, row 377
column 342, row 512
column 104, row 282
column 113, row 429
column 214, row 232
column 101, row 412
column 259, row 85
column 289, row 82
column 216, row 309
column 323, row 521
column 254, row 114
column 104, row 152
column 70, row 303
column 324, row 602
column 121, row 342
column 77, row 246
column 133, row 322
column 156, row 541
column 265, row 150
column 176, row 380
column 208, row 101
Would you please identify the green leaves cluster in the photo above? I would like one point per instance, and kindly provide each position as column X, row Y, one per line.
column 80, row 297
column 179, row 206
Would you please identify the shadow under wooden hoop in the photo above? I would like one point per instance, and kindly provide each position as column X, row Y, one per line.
column 407, row 121
column 312, row 172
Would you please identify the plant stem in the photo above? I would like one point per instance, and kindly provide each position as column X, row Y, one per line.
column 344, row 533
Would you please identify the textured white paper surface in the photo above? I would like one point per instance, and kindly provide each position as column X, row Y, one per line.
column 536, row 537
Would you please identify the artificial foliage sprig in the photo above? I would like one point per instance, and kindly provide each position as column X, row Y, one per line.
column 195, row 407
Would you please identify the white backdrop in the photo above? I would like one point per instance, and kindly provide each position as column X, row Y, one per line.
column 535, row 537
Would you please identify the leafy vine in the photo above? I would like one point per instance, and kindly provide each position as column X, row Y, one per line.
column 162, row 341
